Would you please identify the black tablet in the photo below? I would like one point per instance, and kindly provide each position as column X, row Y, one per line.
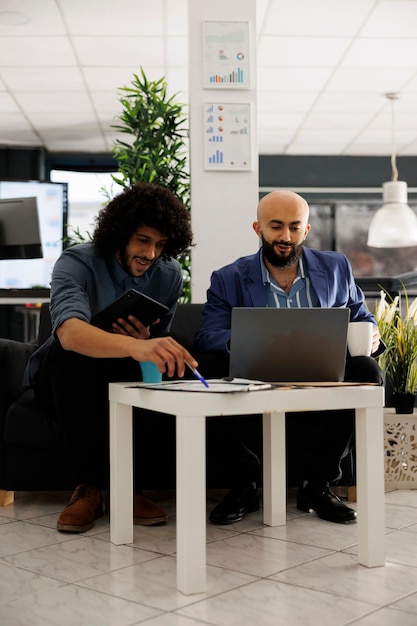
column 132, row 302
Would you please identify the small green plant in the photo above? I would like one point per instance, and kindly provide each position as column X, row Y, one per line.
column 155, row 151
column 156, row 146
column 399, row 333
column 74, row 236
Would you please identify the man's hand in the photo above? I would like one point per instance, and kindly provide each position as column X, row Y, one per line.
column 167, row 354
column 131, row 327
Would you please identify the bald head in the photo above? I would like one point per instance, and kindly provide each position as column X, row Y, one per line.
column 283, row 201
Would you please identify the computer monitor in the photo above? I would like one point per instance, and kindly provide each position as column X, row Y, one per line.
column 52, row 201
column 20, row 236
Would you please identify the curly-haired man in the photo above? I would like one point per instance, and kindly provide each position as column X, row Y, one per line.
column 136, row 237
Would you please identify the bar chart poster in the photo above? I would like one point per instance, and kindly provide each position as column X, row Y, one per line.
column 227, row 136
column 226, row 55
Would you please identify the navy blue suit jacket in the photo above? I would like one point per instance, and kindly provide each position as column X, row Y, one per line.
column 240, row 284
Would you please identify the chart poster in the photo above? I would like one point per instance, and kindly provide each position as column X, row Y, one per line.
column 226, row 55
column 227, row 138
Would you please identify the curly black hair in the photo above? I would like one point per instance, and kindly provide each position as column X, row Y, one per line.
column 143, row 204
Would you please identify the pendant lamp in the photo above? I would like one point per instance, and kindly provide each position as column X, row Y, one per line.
column 394, row 225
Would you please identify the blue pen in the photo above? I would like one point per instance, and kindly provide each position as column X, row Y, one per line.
column 198, row 375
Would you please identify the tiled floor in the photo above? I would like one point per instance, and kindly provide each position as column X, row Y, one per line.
column 305, row 573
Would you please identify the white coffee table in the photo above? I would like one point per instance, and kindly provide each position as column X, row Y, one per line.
column 191, row 410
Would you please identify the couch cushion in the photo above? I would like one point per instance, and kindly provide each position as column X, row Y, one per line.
column 27, row 426
column 186, row 323
column 14, row 356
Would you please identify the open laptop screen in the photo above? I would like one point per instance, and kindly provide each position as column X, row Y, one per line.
column 289, row 345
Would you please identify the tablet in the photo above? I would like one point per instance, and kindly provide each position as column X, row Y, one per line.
column 132, row 302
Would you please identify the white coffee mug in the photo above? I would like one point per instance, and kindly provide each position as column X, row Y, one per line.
column 359, row 338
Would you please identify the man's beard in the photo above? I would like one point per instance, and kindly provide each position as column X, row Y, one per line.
column 124, row 262
column 280, row 260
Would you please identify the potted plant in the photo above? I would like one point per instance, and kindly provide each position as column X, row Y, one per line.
column 398, row 331
column 156, row 148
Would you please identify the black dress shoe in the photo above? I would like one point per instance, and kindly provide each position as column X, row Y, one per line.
column 319, row 498
column 234, row 506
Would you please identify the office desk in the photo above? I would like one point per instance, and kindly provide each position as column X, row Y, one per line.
column 191, row 410
column 30, row 315
column 20, row 298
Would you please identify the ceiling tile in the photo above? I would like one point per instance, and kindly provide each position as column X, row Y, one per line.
column 410, row 150
column 284, row 102
column 349, row 103
column 318, row 18
column 176, row 20
column 15, row 130
column 43, row 78
column 106, row 102
column 78, row 143
column 296, row 51
column 35, row 51
column 121, row 18
column 292, row 79
column 412, row 83
column 315, row 148
column 64, row 102
column 39, row 17
column 375, row 80
column 328, row 136
column 392, row 19
column 45, row 121
column 386, row 53
column 283, row 121
column 177, row 50
column 177, row 82
column 111, row 79
column 364, row 146
column 8, row 104
column 323, row 68
column 113, row 51
column 337, row 121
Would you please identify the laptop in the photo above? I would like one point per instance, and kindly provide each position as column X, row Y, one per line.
column 289, row 345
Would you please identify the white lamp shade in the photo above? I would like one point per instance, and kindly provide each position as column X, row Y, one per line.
column 394, row 225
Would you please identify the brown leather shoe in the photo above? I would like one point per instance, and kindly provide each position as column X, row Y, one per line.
column 84, row 507
column 147, row 513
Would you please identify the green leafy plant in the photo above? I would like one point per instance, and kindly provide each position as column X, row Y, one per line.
column 74, row 236
column 156, row 146
column 399, row 333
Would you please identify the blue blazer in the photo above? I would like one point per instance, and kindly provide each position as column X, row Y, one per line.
column 240, row 284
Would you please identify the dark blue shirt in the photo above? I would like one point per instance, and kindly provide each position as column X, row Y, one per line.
column 84, row 282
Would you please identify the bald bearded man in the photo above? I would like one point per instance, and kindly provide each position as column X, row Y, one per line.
column 285, row 273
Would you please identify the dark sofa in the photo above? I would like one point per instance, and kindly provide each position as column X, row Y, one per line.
column 32, row 450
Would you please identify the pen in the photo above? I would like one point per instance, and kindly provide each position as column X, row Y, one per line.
column 197, row 375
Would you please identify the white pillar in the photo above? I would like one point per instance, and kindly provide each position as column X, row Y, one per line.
column 223, row 202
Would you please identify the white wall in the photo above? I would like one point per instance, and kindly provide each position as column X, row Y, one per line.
column 223, row 203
